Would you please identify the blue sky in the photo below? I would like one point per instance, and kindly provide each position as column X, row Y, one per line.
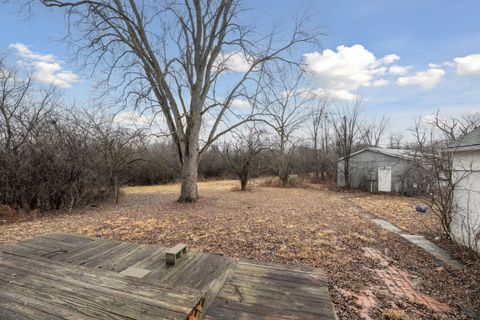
column 364, row 39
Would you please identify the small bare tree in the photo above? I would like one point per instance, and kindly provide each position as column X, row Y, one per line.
column 395, row 140
column 442, row 188
column 118, row 146
column 319, row 131
column 347, row 129
column 241, row 152
column 435, row 163
column 372, row 131
column 421, row 167
column 285, row 108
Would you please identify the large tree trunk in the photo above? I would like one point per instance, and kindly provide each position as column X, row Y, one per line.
column 283, row 170
column 189, row 190
column 243, row 183
column 243, row 175
column 284, row 180
column 283, row 175
column 189, row 164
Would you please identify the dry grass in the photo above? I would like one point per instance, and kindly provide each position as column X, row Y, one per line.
column 307, row 226
column 204, row 186
column 399, row 211
column 395, row 314
column 274, row 182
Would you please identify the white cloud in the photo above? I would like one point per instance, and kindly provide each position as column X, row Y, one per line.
column 25, row 52
column 133, row 119
column 425, row 79
column 468, row 65
column 398, row 70
column 347, row 69
column 233, row 61
column 46, row 67
column 335, row 94
column 51, row 72
column 240, row 103
column 380, row 82
column 448, row 64
column 389, row 58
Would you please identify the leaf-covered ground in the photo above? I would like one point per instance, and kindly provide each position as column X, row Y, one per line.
column 400, row 211
column 308, row 226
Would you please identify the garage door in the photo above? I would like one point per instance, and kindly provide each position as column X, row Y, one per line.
column 385, row 179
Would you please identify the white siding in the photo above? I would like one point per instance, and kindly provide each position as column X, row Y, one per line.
column 466, row 221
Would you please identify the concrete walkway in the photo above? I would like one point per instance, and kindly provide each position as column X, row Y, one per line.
column 420, row 241
column 387, row 225
column 434, row 250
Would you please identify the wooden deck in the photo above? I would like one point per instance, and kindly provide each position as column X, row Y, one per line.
column 66, row 276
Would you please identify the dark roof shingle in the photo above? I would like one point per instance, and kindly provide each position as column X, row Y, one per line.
column 470, row 139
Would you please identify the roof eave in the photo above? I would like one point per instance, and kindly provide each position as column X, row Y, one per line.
column 379, row 152
column 474, row 147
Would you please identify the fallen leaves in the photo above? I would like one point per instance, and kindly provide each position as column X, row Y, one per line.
column 308, row 226
column 395, row 314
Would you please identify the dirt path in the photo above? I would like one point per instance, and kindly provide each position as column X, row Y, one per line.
column 373, row 273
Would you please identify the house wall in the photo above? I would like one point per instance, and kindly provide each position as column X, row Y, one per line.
column 466, row 199
column 367, row 161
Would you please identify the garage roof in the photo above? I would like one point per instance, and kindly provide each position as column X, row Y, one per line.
column 397, row 153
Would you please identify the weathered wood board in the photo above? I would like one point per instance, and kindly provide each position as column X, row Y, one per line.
column 66, row 276
column 34, row 286
column 269, row 291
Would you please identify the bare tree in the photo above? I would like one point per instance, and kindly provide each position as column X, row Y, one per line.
column 395, row 140
column 319, row 131
column 442, row 188
column 434, row 163
column 446, row 176
column 469, row 121
column 421, row 167
column 452, row 128
column 285, row 105
column 21, row 110
column 347, row 130
column 173, row 56
column 51, row 158
column 372, row 131
column 118, row 146
column 25, row 110
column 241, row 152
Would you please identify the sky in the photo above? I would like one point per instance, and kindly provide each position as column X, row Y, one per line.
column 404, row 58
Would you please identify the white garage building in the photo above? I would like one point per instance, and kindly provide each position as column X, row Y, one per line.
column 466, row 199
column 379, row 170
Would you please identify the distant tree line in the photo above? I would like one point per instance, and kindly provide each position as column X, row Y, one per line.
column 54, row 155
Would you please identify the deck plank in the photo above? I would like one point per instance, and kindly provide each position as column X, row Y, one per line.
column 140, row 253
column 66, row 276
column 82, row 253
column 81, row 276
column 67, row 289
column 16, row 308
column 255, row 291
